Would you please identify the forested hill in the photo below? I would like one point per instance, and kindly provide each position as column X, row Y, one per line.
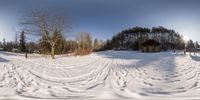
column 133, row 37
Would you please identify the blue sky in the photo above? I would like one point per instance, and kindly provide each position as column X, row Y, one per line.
column 104, row 18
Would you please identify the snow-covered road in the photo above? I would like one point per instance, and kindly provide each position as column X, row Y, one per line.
column 102, row 75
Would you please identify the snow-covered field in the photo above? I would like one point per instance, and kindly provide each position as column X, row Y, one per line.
column 102, row 75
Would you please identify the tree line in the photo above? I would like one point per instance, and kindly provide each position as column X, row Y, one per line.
column 192, row 45
column 132, row 38
column 82, row 45
column 51, row 30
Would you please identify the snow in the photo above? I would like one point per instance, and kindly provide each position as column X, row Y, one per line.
column 102, row 75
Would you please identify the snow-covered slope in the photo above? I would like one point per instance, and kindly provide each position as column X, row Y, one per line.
column 102, row 75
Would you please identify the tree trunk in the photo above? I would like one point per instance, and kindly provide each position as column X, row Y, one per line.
column 52, row 52
column 26, row 56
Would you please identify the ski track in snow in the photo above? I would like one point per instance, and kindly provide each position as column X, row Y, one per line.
column 102, row 75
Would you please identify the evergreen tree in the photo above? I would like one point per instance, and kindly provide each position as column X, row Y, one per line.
column 4, row 44
column 44, row 46
column 70, row 46
column 1, row 45
column 96, row 44
column 59, row 45
column 190, row 45
column 107, row 45
column 197, row 45
column 22, row 42
column 88, row 42
column 31, row 47
column 180, row 43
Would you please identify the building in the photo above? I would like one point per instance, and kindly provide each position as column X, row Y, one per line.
column 198, row 49
column 15, row 50
column 166, row 41
column 150, row 46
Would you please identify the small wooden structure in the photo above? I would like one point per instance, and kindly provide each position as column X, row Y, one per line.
column 198, row 49
column 15, row 50
column 150, row 46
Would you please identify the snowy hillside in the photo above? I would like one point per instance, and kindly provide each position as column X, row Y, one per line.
column 102, row 75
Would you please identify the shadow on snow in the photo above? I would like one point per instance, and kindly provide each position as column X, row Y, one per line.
column 196, row 58
column 3, row 60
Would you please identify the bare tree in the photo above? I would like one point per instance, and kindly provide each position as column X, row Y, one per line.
column 84, row 43
column 47, row 26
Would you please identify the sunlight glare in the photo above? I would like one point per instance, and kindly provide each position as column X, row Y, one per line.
column 186, row 38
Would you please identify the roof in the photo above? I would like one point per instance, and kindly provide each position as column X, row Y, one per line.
column 14, row 49
column 150, row 42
